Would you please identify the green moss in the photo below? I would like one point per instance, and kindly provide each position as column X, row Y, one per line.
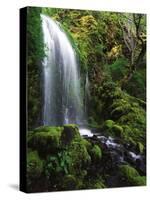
column 98, row 185
column 128, row 172
column 131, row 141
column 136, row 115
column 113, row 129
column 134, row 136
column 67, row 168
column 70, row 182
column 46, row 139
column 79, row 156
column 117, row 130
column 66, row 155
column 126, row 112
column 48, row 129
column 71, row 126
column 131, row 177
column 127, row 130
column 109, row 124
column 120, row 107
column 87, row 144
column 96, row 153
column 140, row 147
column 34, row 165
column 95, row 183
column 139, row 180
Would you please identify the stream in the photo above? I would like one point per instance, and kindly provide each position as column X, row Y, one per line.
column 118, row 152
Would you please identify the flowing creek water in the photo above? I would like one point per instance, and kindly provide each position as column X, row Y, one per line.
column 120, row 153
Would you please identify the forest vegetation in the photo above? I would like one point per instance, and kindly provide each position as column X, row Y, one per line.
column 111, row 51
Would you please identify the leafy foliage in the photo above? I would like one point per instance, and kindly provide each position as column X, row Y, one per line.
column 34, row 35
column 110, row 48
column 35, row 53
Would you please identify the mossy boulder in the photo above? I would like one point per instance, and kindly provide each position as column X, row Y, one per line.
column 34, row 165
column 65, row 153
column 113, row 128
column 130, row 176
column 48, row 129
column 96, row 183
column 79, row 156
column 109, row 124
column 136, row 116
column 139, row 180
column 120, row 107
column 128, row 172
column 70, row 182
column 99, row 185
column 46, row 139
column 96, row 153
column 117, row 131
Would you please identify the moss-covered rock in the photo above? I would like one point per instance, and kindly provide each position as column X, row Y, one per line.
column 117, row 131
column 34, row 165
column 79, row 156
column 96, row 153
column 139, row 180
column 120, row 107
column 98, row 185
column 109, row 124
column 113, row 129
column 128, row 172
column 46, row 139
column 70, row 182
column 48, row 129
column 65, row 153
column 95, row 183
column 131, row 177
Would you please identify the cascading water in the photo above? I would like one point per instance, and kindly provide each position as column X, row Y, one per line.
column 87, row 92
column 62, row 98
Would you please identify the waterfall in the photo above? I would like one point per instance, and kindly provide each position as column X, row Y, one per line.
column 87, row 92
column 61, row 81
